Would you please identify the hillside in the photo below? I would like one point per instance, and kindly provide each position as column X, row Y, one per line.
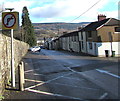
column 55, row 29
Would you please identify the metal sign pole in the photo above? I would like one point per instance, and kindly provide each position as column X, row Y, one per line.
column 12, row 61
column 10, row 21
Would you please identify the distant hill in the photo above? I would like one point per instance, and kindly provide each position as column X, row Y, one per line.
column 54, row 29
column 59, row 25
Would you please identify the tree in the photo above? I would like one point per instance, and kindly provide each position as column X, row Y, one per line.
column 27, row 28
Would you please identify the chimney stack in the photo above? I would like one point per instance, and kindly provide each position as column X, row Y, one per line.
column 101, row 17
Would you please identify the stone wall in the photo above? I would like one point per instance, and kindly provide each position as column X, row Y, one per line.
column 20, row 49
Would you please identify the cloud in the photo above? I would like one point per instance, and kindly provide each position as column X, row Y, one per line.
column 18, row 5
column 66, row 8
column 61, row 10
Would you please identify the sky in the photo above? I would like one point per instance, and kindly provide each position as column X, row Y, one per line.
column 45, row 11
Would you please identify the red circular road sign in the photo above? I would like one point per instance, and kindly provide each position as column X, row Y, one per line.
column 9, row 20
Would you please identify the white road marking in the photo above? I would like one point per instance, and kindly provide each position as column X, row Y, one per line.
column 71, row 70
column 106, row 72
column 52, row 94
column 103, row 96
column 29, row 71
column 35, row 85
column 58, row 77
column 48, row 81
column 36, row 91
column 39, row 74
column 42, row 92
column 33, row 80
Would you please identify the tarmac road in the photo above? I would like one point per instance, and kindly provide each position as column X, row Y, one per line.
column 62, row 75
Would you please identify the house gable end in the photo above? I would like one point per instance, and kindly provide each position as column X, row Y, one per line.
column 110, row 22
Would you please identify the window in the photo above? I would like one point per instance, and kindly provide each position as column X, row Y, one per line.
column 89, row 34
column 82, row 45
column 75, row 38
column 81, row 36
column 72, row 38
column 117, row 29
column 90, row 45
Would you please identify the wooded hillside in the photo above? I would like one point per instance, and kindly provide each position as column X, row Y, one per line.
column 55, row 29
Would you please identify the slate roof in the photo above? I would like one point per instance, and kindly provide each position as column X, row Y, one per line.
column 113, row 22
column 106, row 22
column 70, row 34
column 94, row 25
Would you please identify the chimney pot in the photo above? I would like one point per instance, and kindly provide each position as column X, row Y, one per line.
column 101, row 17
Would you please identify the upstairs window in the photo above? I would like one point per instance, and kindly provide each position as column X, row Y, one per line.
column 117, row 29
column 81, row 36
column 89, row 34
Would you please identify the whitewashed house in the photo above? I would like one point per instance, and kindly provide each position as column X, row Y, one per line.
column 70, row 42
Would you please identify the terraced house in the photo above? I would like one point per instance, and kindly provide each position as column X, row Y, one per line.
column 70, row 42
column 100, row 36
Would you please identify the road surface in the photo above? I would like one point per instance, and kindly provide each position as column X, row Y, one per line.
column 51, row 74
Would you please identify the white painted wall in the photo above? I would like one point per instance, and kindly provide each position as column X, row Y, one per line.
column 93, row 50
column 67, row 38
column 101, row 47
column 84, row 43
column 79, row 34
column 76, row 47
column 107, row 46
column 64, row 43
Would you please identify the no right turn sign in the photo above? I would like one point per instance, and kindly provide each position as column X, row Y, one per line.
column 10, row 20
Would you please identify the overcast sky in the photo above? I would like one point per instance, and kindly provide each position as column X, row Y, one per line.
column 63, row 10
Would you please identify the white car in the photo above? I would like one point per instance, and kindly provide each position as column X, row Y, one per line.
column 35, row 48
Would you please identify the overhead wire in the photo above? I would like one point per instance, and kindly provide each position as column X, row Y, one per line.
column 82, row 13
column 85, row 11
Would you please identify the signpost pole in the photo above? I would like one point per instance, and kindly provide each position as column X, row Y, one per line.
column 12, row 61
column 10, row 21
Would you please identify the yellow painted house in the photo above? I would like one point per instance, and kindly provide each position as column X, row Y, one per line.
column 100, row 38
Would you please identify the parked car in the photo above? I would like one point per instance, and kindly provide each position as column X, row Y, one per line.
column 42, row 47
column 35, row 49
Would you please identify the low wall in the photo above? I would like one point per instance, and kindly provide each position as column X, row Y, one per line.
column 20, row 49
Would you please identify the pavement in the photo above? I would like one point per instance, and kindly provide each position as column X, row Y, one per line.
column 44, row 84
